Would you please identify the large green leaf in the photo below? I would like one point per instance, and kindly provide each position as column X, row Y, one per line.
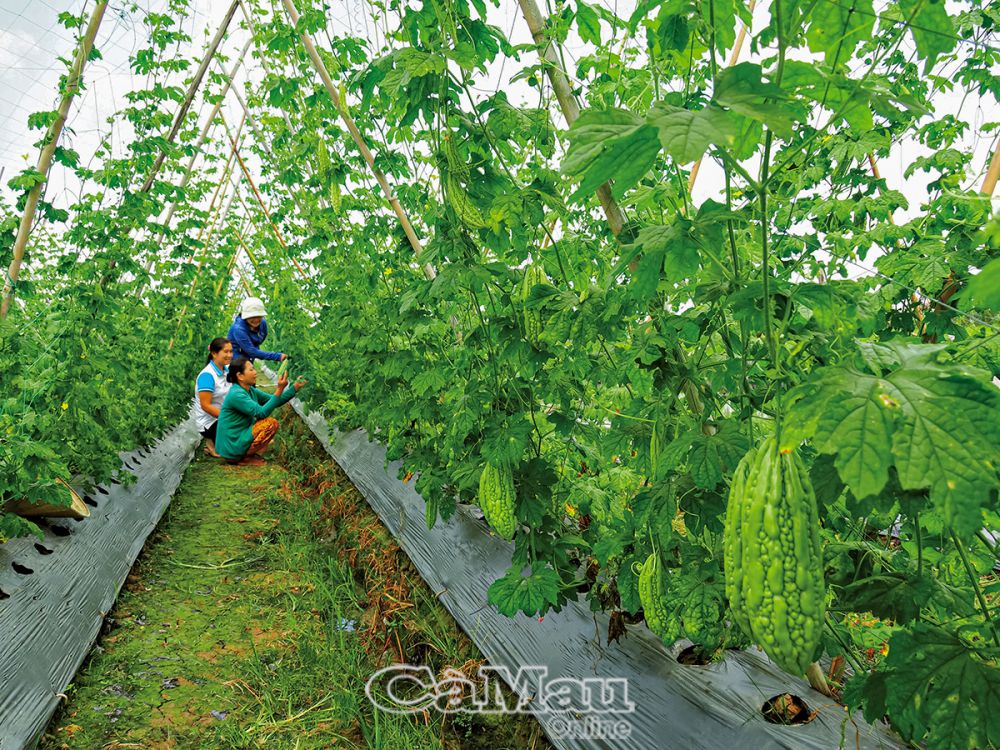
column 609, row 144
column 935, row 688
column 687, row 134
column 984, row 288
column 931, row 27
column 742, row 89
column 532, row 594
column 836, row 28
column 938, row 425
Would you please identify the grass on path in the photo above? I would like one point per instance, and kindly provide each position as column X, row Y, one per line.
column 255, row 615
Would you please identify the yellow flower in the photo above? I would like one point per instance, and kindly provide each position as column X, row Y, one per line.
column 65, row 406
column 570, row 509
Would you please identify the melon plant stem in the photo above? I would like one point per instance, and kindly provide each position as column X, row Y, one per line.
column 974, row 580
column 48, row 152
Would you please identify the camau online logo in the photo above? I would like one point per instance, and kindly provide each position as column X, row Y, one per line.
column 587, row 708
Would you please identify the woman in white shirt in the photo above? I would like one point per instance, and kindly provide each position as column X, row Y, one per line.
column 210, row 390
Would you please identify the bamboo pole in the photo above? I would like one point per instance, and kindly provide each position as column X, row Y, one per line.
column 260, row 201
column 48, row 151
column 992, row 173
column 192, row 90
column 352, row 128
column 189, row 169
column 567, row 101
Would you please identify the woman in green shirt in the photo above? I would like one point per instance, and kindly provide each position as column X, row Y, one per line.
column 246, row 426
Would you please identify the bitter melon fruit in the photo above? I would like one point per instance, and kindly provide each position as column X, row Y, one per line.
column 497, row 499
column 456, row 165
column 732, row 550
column 652, row 596
column 533, row 324
column 777, row 560
column 463, row 206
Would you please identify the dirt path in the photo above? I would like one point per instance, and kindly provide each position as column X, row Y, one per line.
column 255, row 615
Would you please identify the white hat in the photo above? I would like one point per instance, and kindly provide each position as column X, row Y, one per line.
column 252, row 308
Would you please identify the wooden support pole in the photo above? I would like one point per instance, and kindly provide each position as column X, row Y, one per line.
column 260, row 201
column 192, row 90
column 992, row 173
column 48, row 151
column 189, row 169
column 345, row 116
column 567, row 101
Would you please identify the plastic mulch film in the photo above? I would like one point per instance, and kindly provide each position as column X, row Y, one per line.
column 55, row 593
column 673, row 706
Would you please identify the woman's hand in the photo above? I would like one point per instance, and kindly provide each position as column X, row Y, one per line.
column 299, row 382
column 282, row 384
column 283, row 357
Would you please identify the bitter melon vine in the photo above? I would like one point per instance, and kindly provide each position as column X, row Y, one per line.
column 497, row 499
column 774, row 557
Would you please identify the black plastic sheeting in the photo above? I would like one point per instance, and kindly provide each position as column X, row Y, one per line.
column 676, row 706
column 54, row 594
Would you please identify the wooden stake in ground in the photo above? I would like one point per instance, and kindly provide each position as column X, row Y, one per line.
column 45, row 158
column 992, row 173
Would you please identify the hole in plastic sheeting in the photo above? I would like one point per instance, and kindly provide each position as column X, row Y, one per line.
column 90, row 501
column 18, row 568
column 4, row 595
column 102, row 491
column 60, row 530
column 695, row 656
column 787, row 709
column 114, row 480
column 42, row 549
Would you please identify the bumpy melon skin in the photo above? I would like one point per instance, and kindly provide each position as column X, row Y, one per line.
column 497, row 499
column 533, row 323
column 774, row 557
column 733, row 544
column 462, row 204
column 652, row 596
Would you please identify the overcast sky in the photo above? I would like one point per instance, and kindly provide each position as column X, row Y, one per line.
column 31, row 39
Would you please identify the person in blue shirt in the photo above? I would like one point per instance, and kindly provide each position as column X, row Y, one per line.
column 248, row 331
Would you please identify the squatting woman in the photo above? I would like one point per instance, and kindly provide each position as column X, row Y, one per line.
column 210, row 391
column 246, row 426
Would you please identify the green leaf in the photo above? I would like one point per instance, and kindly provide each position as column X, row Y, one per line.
column 588, row 24
column 742, row 89
column 686, row 134
column 673, row 32
column 942, row 410
column 932, row 29
column 983, row 290
column 918, row 418
column 533, row 595
column 609, row 144
column 836, row 28
column 896, row 596
column 939, row 689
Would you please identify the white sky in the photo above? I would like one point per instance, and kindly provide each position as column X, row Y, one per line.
column 31, row 39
